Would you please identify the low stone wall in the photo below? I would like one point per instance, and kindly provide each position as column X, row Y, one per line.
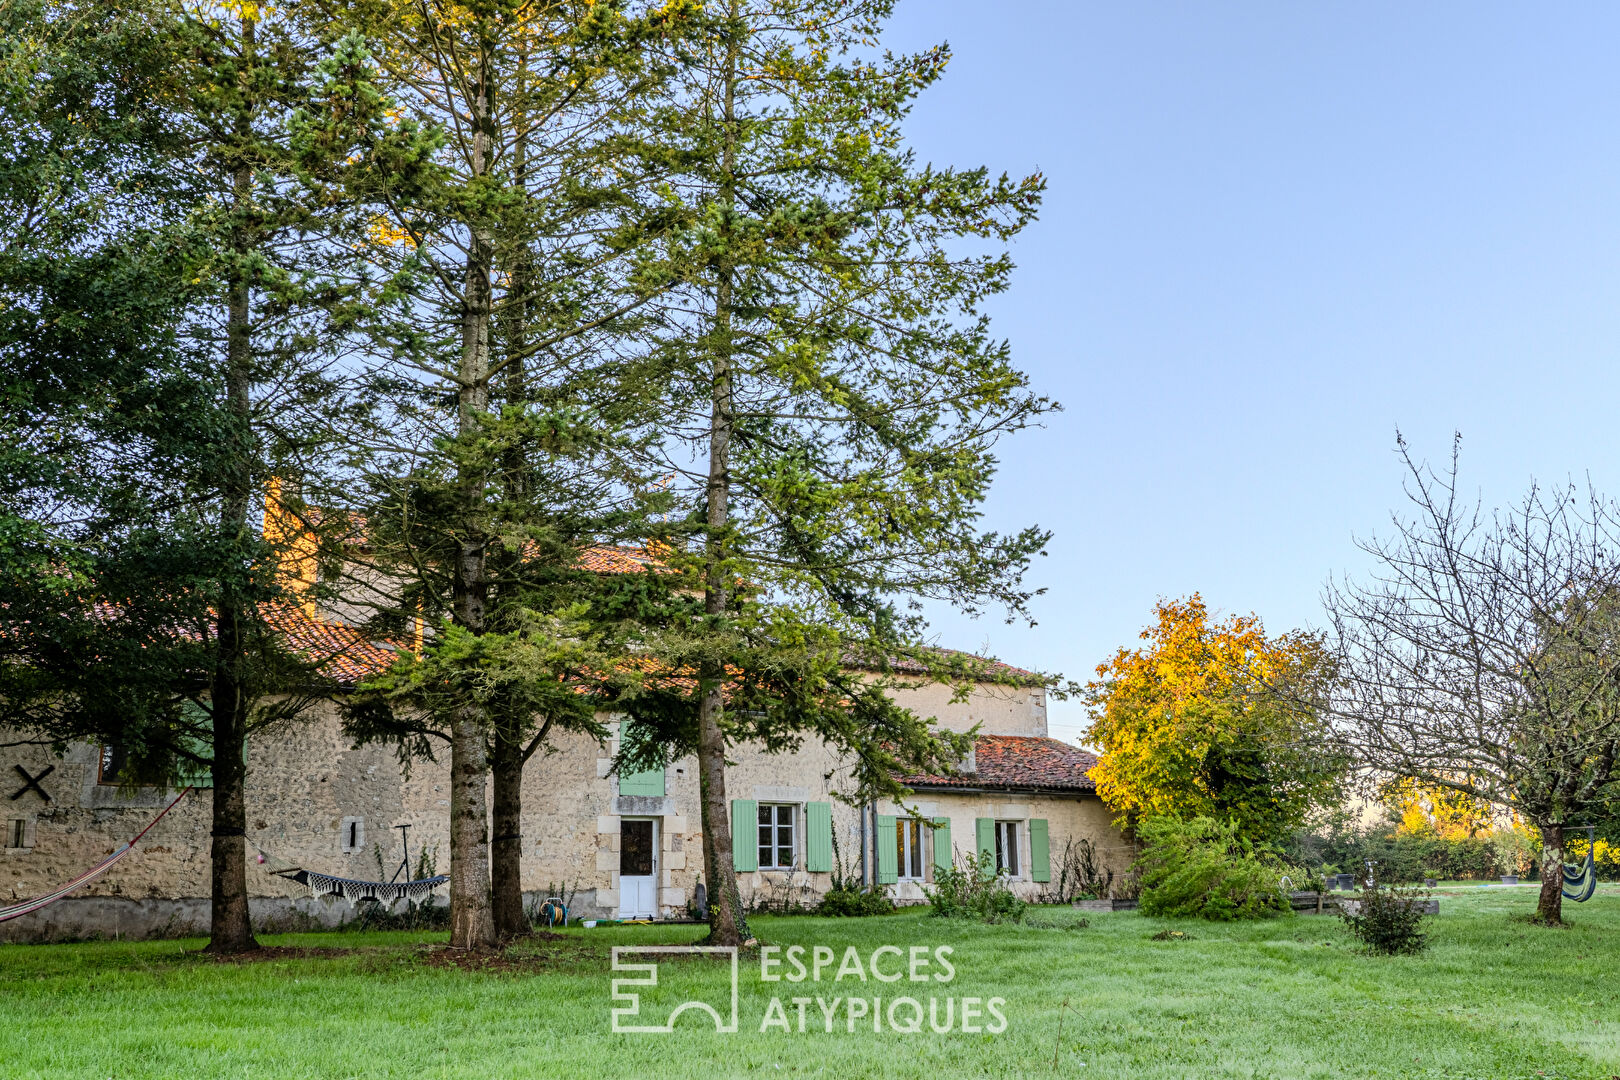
column 112, row 918
column 117, row 918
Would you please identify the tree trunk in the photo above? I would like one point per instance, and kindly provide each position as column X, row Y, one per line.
column 230, row 926
column 230, row 923
column 727, row 923
column 1550, row 906
column 472, row 921
column 506, row 849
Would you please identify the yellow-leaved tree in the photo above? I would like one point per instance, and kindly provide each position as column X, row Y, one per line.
column 1214, row 718
column 1431, row 810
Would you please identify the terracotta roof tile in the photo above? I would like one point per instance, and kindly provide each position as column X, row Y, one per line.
column 343, row 652
column 1020, row 763
column 991, row 666
column 617, row 560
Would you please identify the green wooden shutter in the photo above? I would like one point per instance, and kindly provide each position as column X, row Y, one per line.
column 888, row 852
column 744, row 834
column 942, row 844
column 818, row 837
column 650, row 782
column 1040, row 851
column 198, row 774
column 985, row 828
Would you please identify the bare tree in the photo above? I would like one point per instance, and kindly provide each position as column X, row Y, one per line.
column 1483, row 655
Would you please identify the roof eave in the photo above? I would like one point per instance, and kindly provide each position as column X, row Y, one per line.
column 991, row 789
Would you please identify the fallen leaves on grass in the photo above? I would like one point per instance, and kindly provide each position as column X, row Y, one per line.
column 510, row 962
column 277, row 952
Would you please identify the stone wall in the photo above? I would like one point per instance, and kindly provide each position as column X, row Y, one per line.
column 306, row 784
column 1070, row 818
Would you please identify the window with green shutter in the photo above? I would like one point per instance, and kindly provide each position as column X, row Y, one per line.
column 909, row 848
column 984, row 830
column 649, row 782
column 1040, row 851
column 1007, row 850
column 818, row 828
column 778, row 831
column 888, row 861
column 943, row 852
column 189, row 770
column 744, row 853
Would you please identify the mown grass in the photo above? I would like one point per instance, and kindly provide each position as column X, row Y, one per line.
column 1493, row 997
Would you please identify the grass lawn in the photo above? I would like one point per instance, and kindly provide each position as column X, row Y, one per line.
column 1494, row 997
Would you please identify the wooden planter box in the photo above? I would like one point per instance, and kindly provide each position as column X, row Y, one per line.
column 1105, row 905
column 1332, row 903
column 1428, row 907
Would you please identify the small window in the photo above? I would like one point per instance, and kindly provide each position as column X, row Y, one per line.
column 776, row 836
column 909, row 847
column 1007, row 847
column 116, row 769
column 18, row 835
column 353, row 835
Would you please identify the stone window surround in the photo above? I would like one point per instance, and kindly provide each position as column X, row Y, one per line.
column 19, row 834
column 357, row 845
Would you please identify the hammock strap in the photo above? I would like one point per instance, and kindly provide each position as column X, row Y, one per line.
column 28, row 906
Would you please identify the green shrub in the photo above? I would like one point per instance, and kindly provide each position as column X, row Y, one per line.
column 970, row 890
column 847, row 899
column 1202, row 868
column 1388, row 920
column 1412, row 856
column 427, row 915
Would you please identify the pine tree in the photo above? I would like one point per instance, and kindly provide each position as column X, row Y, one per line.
column 528, row 238
column 832, row 372
column 222, row 142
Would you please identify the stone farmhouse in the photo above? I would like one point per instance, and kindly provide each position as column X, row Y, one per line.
column 617, row 846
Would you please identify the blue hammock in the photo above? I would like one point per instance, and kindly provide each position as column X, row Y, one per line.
column 1580, row 882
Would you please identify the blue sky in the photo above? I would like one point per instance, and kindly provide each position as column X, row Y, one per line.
column 1274, row 234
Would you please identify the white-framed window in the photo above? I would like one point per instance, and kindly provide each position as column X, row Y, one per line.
column 776, row 839
column 352, row 837
column 909, row 848
column 1007, row 847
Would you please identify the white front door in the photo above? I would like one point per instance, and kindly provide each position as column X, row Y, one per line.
column 638, row 868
